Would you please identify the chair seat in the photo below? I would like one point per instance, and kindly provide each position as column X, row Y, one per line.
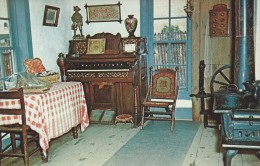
column 155, row 104
column 158, row 112
column 12, row 128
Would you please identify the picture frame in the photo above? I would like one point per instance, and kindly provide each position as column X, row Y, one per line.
column 51, row 16
column 136, row 44
column 96, row 46
column 103, row 13
column 130, row 45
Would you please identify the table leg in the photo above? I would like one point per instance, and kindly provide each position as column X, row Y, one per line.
column 45, row 159
column 44, row 156
column 258, row 154
column 75, row 132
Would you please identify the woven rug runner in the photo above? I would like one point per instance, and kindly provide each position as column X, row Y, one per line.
column 156, row 145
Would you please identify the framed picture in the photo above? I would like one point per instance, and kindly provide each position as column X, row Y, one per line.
column 103, row 13
column 136, row 44
column 96, row 46
column 51, row 16
column 130, row 45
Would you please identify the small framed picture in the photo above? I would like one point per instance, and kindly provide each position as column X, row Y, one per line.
column 51, row 16
column 130, row 45
column 96, row 46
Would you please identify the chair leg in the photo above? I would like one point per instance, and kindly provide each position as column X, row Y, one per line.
column 142, row 122
column 1, row 148
column 24, row 147
column 172, row 117
column 13, row 141
column 172, row 122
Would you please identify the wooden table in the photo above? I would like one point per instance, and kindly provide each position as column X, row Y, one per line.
column 53, row 113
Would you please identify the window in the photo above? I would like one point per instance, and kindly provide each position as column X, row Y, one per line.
column 6, row 49
column 15, row 37
column 169, row 38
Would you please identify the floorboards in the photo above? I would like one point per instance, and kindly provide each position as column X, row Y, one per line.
column 100, row 143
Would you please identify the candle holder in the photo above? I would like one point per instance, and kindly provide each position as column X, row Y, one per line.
column 189, row 8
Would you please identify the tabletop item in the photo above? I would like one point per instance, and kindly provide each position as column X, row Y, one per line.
column 36, row 67
column 35, row 90
column 24, row 79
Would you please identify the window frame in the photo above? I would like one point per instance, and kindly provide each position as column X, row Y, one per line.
column 6, row 49
column 20, row 33
column 147, row 30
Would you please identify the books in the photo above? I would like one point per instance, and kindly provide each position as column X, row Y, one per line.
column 102, row 116
column 108, row 116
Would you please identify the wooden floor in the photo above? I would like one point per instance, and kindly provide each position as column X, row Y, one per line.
column 207, row 151
column 99, row 143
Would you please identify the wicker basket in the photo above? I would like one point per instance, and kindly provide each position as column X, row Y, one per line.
column 50, row 78
column 35, row 67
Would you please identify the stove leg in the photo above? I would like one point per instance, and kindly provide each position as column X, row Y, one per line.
column 258, row 154
column 229, row 154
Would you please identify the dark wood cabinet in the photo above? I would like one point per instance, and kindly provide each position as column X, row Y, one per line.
column 115, row 79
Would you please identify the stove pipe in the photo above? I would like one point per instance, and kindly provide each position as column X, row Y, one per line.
column 244, row 43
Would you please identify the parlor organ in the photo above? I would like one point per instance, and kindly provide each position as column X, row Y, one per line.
column 112, row 69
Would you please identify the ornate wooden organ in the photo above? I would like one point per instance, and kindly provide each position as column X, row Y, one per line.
column 112, row 69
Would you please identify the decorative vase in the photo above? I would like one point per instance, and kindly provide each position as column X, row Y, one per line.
column 130, row 25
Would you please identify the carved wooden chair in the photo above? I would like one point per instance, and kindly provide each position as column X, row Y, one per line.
column 162, row 93
column 22, row 129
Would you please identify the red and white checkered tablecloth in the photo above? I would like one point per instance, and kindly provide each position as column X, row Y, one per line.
column 53, row 113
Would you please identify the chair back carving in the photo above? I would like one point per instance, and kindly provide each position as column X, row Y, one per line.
column 163, row 83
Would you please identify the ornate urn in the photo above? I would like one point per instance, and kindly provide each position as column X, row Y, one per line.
column 130, row 25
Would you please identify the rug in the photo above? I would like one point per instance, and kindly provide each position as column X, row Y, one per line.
column 156, row 145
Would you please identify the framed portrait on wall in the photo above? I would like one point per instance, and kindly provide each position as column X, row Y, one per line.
column 51, row 16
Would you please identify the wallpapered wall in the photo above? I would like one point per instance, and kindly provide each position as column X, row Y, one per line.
column 48, row 41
